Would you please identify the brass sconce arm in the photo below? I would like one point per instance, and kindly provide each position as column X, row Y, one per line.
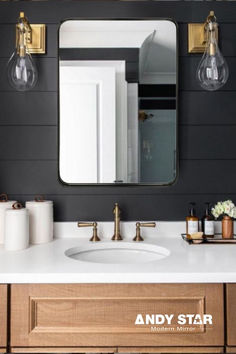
column 24, row 26
column 211, row 18
column 34, row 35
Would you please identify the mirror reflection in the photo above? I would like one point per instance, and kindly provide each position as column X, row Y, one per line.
column 117, row 102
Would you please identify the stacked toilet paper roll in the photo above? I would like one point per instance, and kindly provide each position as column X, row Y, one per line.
column 4, row 205
column 16, row 228
column 40, row 220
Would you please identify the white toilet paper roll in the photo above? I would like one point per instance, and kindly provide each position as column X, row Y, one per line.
column 41, row 220
column 4, row 205
column 16, row 228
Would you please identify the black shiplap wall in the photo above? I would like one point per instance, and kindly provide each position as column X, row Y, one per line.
column 207, row 121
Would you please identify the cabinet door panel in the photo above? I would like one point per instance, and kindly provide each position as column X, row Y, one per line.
column 231, row 314
column 3, row 316
column 105, row 314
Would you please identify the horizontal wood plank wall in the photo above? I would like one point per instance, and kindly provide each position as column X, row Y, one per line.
column 207, row 120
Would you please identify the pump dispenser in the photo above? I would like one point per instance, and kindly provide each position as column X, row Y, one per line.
column 191, row 221
column 208, row 222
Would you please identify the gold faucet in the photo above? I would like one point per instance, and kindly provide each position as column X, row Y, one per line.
column 116, row 212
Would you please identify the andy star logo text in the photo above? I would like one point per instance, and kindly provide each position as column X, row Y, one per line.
column 160, row 319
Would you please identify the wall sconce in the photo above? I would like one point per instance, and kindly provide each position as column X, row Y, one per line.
column 212, row 71
column 22, row 71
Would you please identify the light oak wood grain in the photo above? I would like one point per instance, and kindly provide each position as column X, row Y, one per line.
column 3, row 316
column 103, row 315
column 171, row 350
column 206, row 350
column 107, row 315
column 65, row 350
column 231, row 314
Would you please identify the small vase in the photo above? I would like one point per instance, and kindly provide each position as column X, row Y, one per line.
column 227, row 227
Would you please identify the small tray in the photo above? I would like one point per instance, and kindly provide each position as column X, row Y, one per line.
column 216, row 239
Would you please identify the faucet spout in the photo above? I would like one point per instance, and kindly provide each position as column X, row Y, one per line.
column 116, row 212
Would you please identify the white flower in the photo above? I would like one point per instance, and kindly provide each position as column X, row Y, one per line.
column 227, row 207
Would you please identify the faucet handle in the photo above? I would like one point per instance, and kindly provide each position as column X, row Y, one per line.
column 138, row 236
column 95, row 237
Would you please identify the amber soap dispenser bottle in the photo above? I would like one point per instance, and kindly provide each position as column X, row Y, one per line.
column 208, row 222
column 192, row 221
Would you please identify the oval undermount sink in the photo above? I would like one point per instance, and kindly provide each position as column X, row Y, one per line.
column 118, row 253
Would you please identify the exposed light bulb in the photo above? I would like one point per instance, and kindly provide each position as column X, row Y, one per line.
column 212, row 71
column 22, row 72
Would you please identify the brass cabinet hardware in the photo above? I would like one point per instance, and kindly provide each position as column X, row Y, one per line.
column 116, row 212
column 95, row 237
column 138, row 236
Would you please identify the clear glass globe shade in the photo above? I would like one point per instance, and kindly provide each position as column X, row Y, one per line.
column 212, row 71
column 22, row 72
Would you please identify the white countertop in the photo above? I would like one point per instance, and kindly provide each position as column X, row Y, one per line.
column 186, row 263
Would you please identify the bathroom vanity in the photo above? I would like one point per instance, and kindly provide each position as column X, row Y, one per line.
column 75, row 318
column 56, row 302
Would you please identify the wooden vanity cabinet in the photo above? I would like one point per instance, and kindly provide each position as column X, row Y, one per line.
column 231, row 317
column 3, row 318
column 101, row 317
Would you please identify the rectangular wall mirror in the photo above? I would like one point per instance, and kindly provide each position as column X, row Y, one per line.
column 118, row 98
